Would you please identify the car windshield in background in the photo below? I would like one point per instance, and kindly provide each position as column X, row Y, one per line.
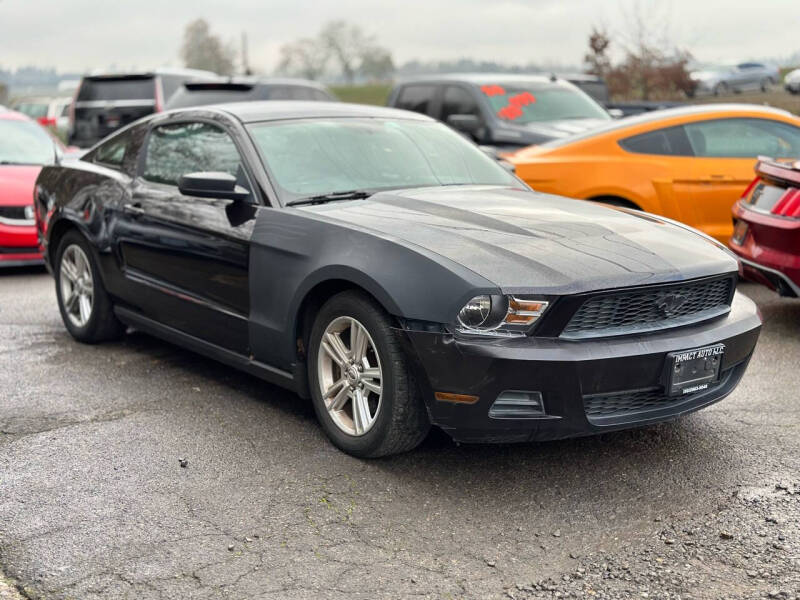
column 520, row 104
column 139, row 88
column 24, row 143
column 325, row 156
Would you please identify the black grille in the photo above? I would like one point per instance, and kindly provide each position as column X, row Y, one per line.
column 19, row 250
column 648, row 309
column 611, row 407
column 13, row 212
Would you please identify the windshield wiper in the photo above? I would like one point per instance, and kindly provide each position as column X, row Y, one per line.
column 332, row 197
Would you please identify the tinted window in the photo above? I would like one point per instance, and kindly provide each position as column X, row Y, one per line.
column 321, row 156
column 418, row 98
column 24, row 143
column 458, row 101
column 117, row 89
column 113, row 151
column 671, row 141
column 744, row 138
column 174, row 150
column 520, row 103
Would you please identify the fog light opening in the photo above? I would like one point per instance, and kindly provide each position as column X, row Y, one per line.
column 517, row 404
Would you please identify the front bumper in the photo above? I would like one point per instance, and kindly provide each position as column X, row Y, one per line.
column 574, row 377
column 19, row 246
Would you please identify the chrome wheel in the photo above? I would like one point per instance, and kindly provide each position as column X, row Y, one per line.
column 350, row 376
column 77, row 285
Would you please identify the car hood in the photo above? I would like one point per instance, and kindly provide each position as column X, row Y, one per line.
column 17, row 183
column 539, row 132
column 524, row 241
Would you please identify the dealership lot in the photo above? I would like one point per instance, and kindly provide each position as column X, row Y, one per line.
column 94, row 501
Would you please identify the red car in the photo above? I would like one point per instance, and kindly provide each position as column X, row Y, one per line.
column 24, row 147
column 767, row 227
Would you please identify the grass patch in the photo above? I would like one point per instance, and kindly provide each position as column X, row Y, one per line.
column 375, row 93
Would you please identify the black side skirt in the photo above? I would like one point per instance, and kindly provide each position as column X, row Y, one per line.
column 285, row 379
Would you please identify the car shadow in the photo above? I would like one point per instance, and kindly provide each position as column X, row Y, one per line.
column 692, row 453
column 21, row 271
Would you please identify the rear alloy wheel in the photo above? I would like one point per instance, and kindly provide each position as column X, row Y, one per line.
column 364, row 394
column 85, row 307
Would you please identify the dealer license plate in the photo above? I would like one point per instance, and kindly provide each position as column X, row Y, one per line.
column 692, row 371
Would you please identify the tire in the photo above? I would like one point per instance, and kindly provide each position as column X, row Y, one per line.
column 720, row 89
column 98, row 323
column 765, row 84
column 396, row 419
column 614, row 201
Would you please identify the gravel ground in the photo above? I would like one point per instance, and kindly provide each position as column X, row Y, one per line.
column 95, row 502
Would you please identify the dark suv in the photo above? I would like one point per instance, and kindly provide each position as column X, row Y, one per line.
column 505, row 111
column 246, row 89
column 104, row 103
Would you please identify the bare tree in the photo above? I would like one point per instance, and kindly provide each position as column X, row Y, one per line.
column 203, row 50
column 347, row 43
column 306, row 57
column 597, row 60
column 652, row 66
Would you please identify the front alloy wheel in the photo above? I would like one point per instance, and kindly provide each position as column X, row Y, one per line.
column 362, row 387
column 350, row 376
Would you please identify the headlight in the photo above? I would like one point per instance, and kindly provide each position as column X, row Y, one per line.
column 483, row 312
column 499, row 315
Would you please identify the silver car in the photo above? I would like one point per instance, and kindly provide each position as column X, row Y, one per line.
column 735, row 78
column 792, row 81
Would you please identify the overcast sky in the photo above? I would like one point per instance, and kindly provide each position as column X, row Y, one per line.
column 75, row 35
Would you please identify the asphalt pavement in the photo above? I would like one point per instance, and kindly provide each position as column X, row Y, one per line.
column 140, row 470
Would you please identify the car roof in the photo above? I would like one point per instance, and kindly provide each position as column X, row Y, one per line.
column 485, row 78
column 274, row 110
column 151, row 73
column 656, row 116
column 12, row 115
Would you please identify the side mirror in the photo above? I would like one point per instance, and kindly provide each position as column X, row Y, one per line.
column 212, row 185
column 464, row 123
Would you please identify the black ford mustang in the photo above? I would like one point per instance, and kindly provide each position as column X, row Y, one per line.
column 375, row 261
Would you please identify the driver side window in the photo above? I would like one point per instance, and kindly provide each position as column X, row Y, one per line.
column 176, row 149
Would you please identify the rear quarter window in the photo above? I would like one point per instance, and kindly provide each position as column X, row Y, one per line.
column 671, row 141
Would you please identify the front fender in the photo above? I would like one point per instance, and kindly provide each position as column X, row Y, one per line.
column 293, row 251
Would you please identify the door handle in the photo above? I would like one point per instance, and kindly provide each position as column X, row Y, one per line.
column 717, row 177
column 133, row 209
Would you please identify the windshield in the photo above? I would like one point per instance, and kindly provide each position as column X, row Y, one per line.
column 530, row 104
column 314, row 157
column 25, row 143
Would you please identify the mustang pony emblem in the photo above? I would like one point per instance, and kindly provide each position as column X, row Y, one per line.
column 670, row 303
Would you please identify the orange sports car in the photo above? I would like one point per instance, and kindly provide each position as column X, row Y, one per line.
column 689, row 164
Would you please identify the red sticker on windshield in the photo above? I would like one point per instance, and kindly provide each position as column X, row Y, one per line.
column 522, row 99
column 492, row 90
column 510, row 112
